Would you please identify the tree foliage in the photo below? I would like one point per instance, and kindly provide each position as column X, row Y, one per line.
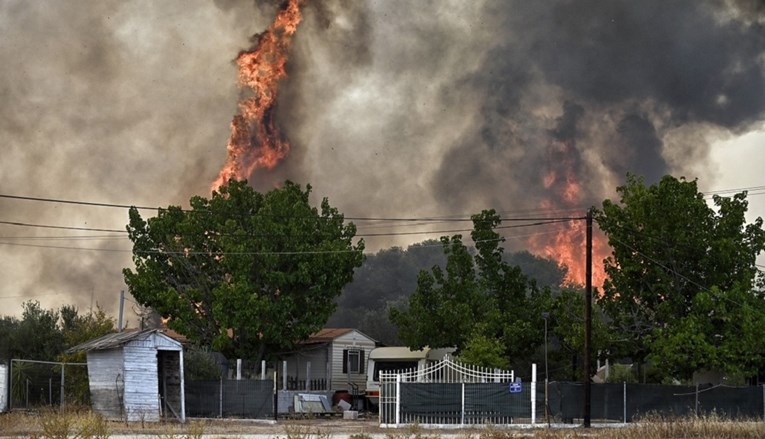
column 243, row 272
column 475, row 288
column 681, row 277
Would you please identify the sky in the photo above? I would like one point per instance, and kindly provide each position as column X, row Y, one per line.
column 393, row 108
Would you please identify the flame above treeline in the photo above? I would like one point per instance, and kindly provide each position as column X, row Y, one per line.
column 255, row 140
column 257, row 143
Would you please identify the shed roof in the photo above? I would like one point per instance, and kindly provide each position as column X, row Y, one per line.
column 115, row 340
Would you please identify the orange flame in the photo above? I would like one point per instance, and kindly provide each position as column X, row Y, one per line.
column 255, row 140
column 568, row 244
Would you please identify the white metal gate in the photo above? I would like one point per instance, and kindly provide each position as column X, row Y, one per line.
column 449, row 392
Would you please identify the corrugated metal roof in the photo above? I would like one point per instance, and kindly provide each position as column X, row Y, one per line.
column 115, row 340
column 328, row 334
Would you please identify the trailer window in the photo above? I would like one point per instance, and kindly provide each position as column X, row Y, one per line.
column 392, row 366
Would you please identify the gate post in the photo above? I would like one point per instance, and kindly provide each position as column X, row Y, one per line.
column 398, row 399
column 462, row 419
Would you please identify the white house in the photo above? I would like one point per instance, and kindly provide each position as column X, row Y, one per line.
column 332, row 359
column 136, row 375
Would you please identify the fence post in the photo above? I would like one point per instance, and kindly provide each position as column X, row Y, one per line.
column 625, row 401
column 262, row 369
column 763, row 403
column 63, row 366
column 697, row 400
column 10, row 386
column 238, row 369
column 533, row 393
column 220, row 397
column 276, row 396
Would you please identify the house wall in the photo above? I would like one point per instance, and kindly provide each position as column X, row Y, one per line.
column 351, row 340
column 106, row 377
column 141, row 382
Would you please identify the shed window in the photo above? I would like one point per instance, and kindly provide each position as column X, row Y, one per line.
column 353, row 361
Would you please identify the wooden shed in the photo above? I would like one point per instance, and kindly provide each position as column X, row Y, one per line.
column 136, row 375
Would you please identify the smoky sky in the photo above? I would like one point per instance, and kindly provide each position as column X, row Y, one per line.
column 393, row 108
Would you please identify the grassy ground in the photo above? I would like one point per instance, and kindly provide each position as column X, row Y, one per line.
column 86, row 425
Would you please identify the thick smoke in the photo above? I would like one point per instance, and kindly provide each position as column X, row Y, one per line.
column 394, row 108
column 435, row 108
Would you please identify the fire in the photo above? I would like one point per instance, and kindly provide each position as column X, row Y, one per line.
column 255, row 141
column 568, row 244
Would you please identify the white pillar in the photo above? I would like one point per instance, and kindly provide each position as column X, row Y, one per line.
column 533, row 393
column 238, row 369
column 308, row 375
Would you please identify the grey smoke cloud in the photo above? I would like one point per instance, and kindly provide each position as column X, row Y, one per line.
column 393, row 108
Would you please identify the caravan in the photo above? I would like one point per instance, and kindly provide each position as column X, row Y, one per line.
column 395, row 358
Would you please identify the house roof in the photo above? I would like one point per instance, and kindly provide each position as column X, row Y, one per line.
column 114, row 340
column 328, row 334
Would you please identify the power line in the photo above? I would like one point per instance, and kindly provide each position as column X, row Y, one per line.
column 45, row 226
column 81, row 203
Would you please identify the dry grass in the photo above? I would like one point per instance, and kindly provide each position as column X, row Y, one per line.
column 81, row 424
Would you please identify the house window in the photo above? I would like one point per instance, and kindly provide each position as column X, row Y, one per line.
column 353, row 361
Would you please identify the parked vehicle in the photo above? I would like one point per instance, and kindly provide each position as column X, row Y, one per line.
column 393, row 358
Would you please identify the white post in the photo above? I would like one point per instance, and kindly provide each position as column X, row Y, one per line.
column 262, row 369
column 533, row 393
column 238, row 369
column 308, row 375
column 284, row 375
column 462, row 422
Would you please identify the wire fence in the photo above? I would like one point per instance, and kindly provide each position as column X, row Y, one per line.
column 251, row 399
column 36, row 384
column 630, row 402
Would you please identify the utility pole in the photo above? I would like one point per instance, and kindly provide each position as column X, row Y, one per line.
column 587, row 320
column 122, row 307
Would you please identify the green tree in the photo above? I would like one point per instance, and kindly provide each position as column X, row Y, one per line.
column 243, row 272
column 566, row 327
column 680, row 272
column 38, row 336
column 8, row 327
column 478, row 302
column 75, row 329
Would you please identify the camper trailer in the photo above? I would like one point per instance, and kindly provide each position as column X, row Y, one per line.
column 393, row 358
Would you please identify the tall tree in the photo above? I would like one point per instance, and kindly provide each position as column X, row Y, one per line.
column 678, row 271
column 244, row 272
column 478, row 303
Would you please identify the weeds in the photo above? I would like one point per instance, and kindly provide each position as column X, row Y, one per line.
column 72, row 424
column 295, row 431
